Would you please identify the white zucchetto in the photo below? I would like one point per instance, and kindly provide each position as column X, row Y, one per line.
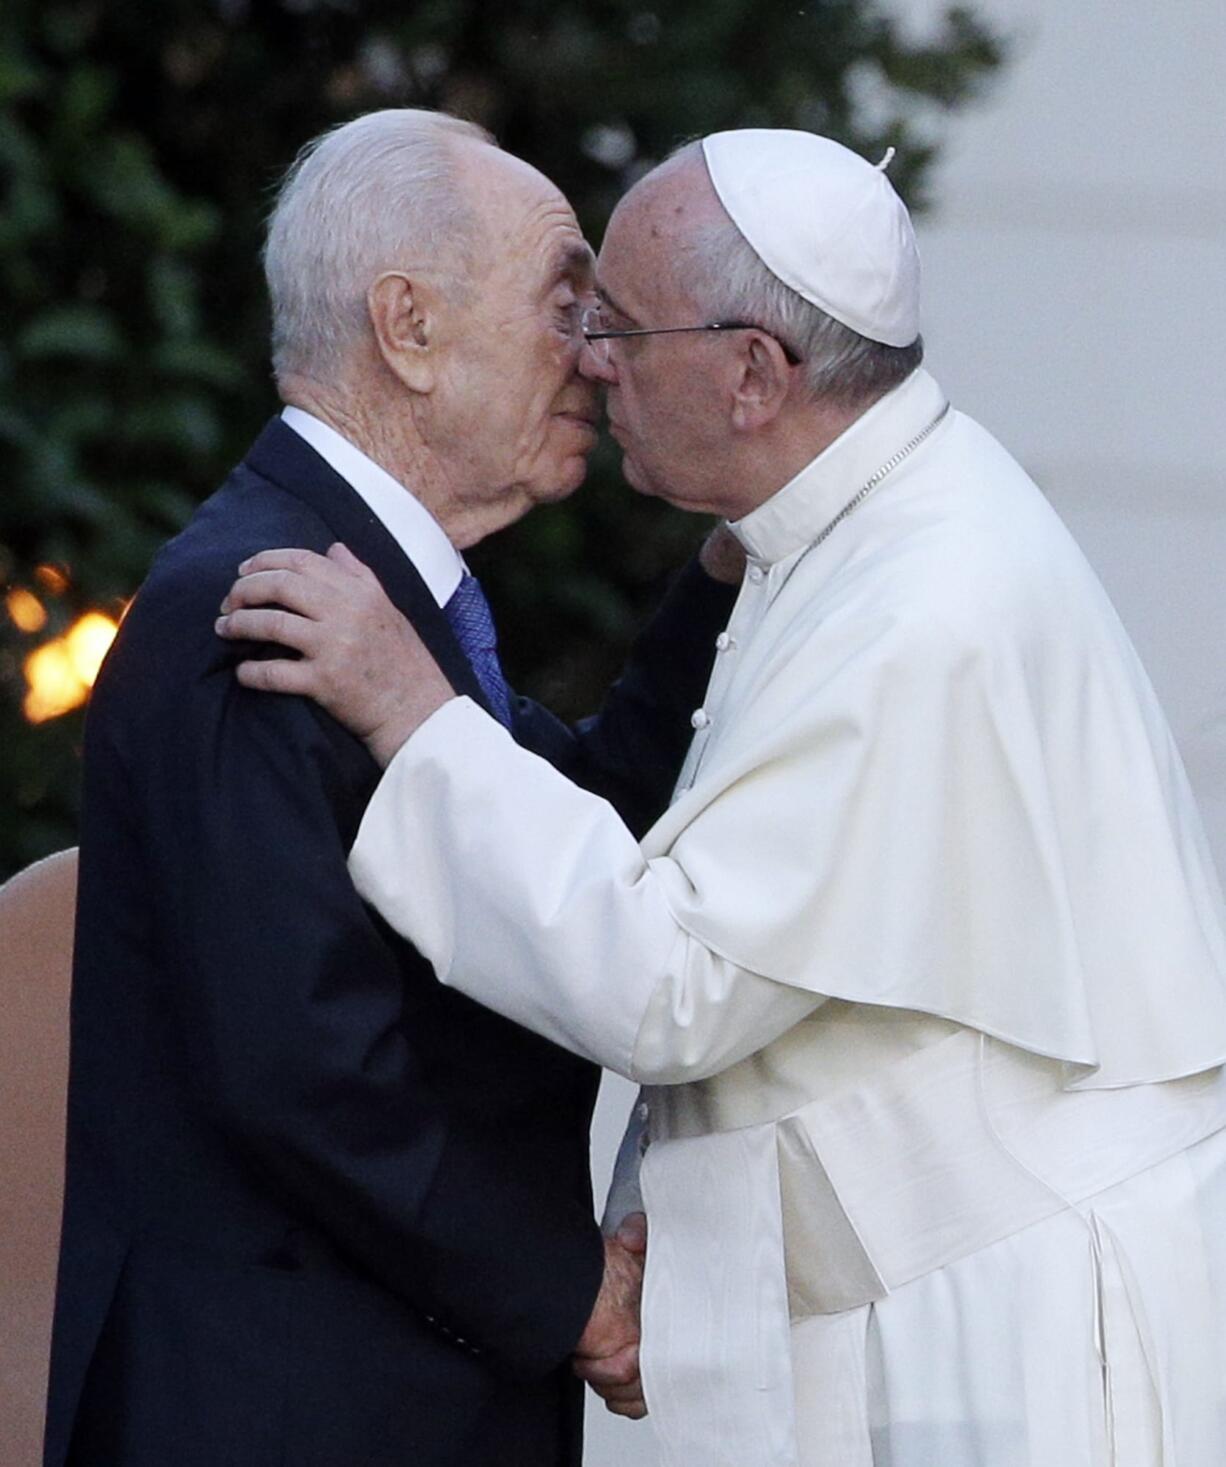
column 824, row 221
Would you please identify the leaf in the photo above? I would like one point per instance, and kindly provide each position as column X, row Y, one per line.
column 188, row 226
column 199, row 361
column 20, row 77
column 84, row 102
column 172, row 295
column 189, row 424
column 81, row 418
column 87, row 333
column 168, row 504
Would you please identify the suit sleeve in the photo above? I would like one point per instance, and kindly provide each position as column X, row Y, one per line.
column 295, row 1007
column 632, row 751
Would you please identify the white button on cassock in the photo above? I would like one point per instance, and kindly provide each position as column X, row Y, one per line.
column 723, row 642
column 756, row 573
column 699, row 718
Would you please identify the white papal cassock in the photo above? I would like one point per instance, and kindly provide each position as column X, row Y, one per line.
column 924, row 970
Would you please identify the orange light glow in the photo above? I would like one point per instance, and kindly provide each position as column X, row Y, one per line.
column 89, row 639
column 26, row 611
column 52, row 578
column 60, row 673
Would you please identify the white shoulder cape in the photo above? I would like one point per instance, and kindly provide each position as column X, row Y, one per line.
column 944, row 784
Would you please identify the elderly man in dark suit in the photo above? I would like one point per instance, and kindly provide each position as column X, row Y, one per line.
column 320, row 1211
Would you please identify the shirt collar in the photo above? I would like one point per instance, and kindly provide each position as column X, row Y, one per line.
column 405, row 518
column 795, row 515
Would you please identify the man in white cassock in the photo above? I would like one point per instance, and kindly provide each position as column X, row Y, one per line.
column 923, row 971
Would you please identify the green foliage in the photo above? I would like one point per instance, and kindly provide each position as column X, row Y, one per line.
column 139, row 146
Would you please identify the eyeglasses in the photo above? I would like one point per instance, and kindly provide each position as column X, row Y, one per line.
column 597, row 333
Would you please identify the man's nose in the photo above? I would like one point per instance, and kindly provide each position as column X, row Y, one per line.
column 594, row 364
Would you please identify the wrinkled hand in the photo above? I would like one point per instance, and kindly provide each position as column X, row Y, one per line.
column 723, row 556
column 361, row 660
column 608, row 1354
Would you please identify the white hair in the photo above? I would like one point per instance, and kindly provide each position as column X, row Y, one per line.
column 374, row 194
column 720, row 268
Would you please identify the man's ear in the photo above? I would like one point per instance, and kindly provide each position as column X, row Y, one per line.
column 403, row 317
column 763, row 384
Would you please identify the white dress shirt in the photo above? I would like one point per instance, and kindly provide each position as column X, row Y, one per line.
column 405, row 518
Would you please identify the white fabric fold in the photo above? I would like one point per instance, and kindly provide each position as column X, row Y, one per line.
column 944, row 784
column 717, row 1380
column 430, row 871
column 965, row 1160
column 534, row 950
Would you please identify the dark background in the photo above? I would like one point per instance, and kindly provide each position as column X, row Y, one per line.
column 140, row 143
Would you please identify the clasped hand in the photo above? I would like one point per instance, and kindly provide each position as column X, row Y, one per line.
column 607, row 1356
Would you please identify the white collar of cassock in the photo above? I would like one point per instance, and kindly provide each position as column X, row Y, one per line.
column 795, row 515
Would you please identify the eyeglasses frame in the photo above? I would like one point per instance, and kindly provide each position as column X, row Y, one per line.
column 793, row 359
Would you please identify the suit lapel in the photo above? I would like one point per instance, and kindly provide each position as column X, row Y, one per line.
column 287, row 460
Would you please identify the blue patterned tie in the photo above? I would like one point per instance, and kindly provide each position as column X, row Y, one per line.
column 469, row 614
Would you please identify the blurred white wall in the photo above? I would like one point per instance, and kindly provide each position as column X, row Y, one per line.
column 1075, row 287
column 1075, row 303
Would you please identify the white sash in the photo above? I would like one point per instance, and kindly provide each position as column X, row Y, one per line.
column 716, row 1360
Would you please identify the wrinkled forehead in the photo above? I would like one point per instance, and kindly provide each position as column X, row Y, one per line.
column 550, row 253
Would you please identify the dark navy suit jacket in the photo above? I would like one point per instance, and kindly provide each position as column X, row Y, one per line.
column 320, row 1211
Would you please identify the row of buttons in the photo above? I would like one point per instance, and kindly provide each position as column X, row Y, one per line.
column 700, row 718
column 450, row 1334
